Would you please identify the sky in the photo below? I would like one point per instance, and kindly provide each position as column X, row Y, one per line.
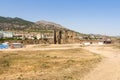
column 85, row 16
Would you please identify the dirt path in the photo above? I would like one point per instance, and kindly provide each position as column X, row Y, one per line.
column 109, row 68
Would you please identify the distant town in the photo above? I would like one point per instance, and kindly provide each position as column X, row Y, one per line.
column 50, row 37
column 17, row 30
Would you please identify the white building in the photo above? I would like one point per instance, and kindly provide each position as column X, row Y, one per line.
column 6, row 34
column 38, row 36
column 100, row 43
column 86, row 43
column 44, row 35
column 1, row 35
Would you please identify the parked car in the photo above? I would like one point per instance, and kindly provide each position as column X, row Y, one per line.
column 16, row 45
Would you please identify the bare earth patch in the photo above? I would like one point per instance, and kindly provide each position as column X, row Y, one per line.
column 109, row 67
column 63, row 64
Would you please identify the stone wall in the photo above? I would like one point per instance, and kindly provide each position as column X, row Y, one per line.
column 64, row 37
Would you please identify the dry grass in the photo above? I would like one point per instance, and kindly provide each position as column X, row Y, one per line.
column 115, row 46
column 70, row 64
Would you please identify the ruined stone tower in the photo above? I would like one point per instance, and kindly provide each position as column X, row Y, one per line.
column 64, row 37
column 57, row 36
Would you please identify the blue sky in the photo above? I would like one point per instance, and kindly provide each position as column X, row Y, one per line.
column 86, row 16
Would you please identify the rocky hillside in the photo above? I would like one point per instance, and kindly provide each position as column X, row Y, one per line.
column 49, row 25
column 8, row 23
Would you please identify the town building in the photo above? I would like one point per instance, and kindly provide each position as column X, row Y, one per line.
column 6, row 34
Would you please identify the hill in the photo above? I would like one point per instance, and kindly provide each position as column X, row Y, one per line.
column 49, row 25
column 8, row 23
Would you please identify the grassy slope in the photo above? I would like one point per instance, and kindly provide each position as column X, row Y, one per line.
column 46, row 65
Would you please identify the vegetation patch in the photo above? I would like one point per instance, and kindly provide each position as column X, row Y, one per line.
column 69, row 64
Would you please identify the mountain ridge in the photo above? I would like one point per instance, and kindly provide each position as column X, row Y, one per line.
column 8, row 23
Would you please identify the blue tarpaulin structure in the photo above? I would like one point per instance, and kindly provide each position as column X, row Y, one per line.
column 4, row 46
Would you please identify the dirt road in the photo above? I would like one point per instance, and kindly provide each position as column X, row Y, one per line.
column 109, row 68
